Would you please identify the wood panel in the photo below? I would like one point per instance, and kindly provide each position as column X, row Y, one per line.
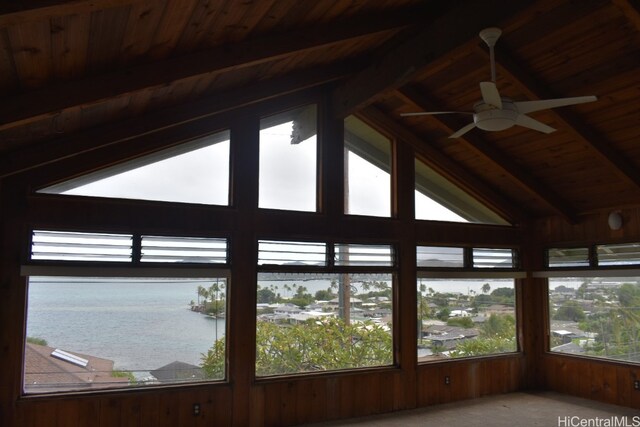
column 592, row 228
column 106, row 34
column 31, row 47
column 592, row 379
column 292, row 402
column 69, row 45
column 142, row 25
column 167, row 34
column 468, row 379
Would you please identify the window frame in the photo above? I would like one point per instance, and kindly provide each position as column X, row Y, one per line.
column 470, row 271
column 576, row 274
column 331, row 268
column 134, row 269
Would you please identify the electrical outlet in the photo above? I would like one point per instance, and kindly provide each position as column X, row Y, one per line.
column 636, row 385
column 447, row 380
column 196, row 409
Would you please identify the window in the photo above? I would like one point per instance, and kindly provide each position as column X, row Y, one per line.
column 367, row 170
column 78, row 246
column 109, row 311
column 93, row 333
column 462, row 317
column 493, row 258
column 618, row 254
column 568, row 257
column 440, row 256
column 595, row 316
column 456, row 257
column 312, row 318
column 604, row 255
column 288, row 160
column 195, row 172
column 437, row 199
column 466, row 302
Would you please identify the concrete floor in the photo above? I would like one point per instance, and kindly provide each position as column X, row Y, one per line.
column 546, row 409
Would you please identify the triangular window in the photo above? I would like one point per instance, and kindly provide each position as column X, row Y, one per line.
column 194, row 172
column 367, row 170
column 437, row 199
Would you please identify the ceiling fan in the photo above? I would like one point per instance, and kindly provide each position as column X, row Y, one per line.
column 495, row 113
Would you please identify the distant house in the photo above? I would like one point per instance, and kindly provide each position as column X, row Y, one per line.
column 355, row 302
column 459, row 313
column 287, row 309
column 48, row 369
column 448, row 337
column 178, row 371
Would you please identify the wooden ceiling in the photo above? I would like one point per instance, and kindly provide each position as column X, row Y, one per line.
column 78, row 75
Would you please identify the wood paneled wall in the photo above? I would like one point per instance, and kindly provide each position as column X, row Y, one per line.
column 602, row 380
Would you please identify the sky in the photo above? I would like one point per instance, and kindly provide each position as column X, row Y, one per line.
column 287, row 179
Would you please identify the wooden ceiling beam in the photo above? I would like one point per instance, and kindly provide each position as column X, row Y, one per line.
column 571, row 122
column 631, row 10
column 155, row 122
column 22, row 12
column 398, row 65
column 25, row 108
column 489, row 151
column 442, row 164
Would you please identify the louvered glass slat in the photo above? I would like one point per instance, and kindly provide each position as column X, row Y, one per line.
column 440, row 256
column 619, row 254
column 364, row 255
column 493, row 258
column 291, row 253
column 568, row 257
column 78, row 246
column 175, row 249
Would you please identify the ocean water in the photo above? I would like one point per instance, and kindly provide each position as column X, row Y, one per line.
column 143, row 324
column 139, row 324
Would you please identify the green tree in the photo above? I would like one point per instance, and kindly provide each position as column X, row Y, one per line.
column 302, row 297
column 483, row 346
column 499, row 325
column 463, row 322
column 202, row 292
column 570, row 310
column 443, row 314
column 504, row 292
column 117, row 373
column 216, row 307
column 35, row 340
column 629, row 295
column 486, row 288
column 266, row 296
column 324, row 295
column 314, row 345
column 213, row 363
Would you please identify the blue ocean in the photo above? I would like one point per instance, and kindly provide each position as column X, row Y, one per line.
column 141, row 325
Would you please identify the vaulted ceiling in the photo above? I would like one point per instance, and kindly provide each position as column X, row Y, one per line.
column 78, row 75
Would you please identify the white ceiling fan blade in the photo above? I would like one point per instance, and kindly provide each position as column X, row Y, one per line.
column 525, row 107
column 431, row 113
column 528, row 122
column 490, row 94
column 463, row 130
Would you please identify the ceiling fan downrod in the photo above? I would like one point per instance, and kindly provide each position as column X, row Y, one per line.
column 490, row 36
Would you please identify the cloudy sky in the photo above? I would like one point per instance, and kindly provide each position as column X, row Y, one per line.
column 287, row 179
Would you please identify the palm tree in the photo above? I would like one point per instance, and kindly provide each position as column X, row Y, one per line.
column 486, row 288
column 200, row 290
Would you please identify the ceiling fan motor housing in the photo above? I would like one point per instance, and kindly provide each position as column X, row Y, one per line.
column 490, row 118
